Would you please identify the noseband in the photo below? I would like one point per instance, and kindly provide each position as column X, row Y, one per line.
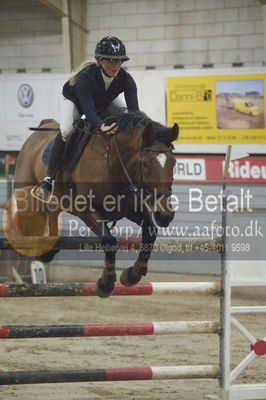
column 139, row 189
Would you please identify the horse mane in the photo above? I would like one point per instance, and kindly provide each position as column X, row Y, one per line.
column 128, row 122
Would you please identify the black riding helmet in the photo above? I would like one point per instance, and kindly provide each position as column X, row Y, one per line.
column 111, row 48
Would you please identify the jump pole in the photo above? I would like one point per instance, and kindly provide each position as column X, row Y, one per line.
column 89, row 289
column 112, row 329
column 117, row 374
column 109, row 374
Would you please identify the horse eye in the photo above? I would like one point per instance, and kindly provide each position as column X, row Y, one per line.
column 173, row 161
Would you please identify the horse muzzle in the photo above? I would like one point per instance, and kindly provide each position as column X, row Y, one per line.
column 162, row 219
column 161, row 210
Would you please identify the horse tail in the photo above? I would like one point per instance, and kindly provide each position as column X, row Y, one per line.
column 73, row 78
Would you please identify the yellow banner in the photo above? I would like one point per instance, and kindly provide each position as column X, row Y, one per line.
column 218, row 108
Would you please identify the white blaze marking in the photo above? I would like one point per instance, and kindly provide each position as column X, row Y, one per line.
column 161, row 158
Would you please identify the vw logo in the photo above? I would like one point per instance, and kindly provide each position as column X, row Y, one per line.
column 25, row 95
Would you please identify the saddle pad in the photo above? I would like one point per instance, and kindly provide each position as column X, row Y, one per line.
column 73, row 149
column 47, row 151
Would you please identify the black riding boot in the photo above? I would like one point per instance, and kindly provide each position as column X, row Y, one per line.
column 43, row 190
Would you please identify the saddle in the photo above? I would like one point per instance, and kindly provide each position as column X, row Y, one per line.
column 74, row 146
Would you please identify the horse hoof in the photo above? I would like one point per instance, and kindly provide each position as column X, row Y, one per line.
column 128, row 279
column 47, row 257
column 104, row 291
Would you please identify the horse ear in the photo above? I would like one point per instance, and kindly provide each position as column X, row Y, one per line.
column 147, row 135
column 172, row 133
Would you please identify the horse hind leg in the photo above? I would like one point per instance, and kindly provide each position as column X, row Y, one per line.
column 106, row 284
column 131, row 276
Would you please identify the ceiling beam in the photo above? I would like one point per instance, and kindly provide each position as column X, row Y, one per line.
column 58, row 6
column 73, row 30
column 78, row 31
column 67, row 39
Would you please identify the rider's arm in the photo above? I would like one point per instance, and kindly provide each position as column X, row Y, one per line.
column 83, row 93
column 131, row 95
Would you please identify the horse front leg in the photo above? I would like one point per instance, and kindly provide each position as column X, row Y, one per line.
column 133, row 275
column 105, row 285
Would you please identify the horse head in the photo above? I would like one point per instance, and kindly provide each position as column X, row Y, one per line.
column 148, row 162
column 156, row 169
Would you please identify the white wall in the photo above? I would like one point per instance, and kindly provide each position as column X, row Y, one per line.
column 189, row 33
column 160, row 33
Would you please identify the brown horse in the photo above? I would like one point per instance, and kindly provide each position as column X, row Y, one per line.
column 128, row 174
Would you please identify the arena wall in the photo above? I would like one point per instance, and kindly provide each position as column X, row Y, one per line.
column 161, row 34
column 30, row 38
column 185, row 33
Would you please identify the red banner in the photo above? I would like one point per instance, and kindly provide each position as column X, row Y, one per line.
column 210, row 169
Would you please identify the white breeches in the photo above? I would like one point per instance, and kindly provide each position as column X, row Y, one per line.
column 69, row 114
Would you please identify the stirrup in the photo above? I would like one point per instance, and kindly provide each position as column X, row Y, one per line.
column 42, row 193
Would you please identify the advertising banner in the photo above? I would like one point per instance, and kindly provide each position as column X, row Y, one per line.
column 25, row 101
column 210, row 169
column 218, row 108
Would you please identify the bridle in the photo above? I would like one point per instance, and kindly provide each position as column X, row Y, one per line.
column 140, row 189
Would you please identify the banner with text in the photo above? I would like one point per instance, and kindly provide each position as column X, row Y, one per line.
column 210, row 169
column 218, row 108
column 25, row 100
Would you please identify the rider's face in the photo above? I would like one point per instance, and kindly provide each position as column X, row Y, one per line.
column 111, row 68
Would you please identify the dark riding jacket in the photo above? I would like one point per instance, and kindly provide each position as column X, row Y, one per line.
column 90, row 96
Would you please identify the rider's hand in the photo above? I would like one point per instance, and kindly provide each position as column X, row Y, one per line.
column 109, row 129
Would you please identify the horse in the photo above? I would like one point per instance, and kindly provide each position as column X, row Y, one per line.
column 127, row 174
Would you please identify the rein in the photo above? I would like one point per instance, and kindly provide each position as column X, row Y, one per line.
column 133, row 187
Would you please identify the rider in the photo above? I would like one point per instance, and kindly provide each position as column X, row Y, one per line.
column 93, row 89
